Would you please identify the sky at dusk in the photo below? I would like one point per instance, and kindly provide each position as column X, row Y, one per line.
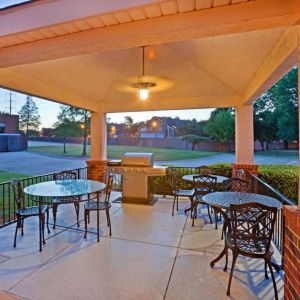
column 48, row 110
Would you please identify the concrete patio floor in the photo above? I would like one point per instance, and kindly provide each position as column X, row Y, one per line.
column 151, row 255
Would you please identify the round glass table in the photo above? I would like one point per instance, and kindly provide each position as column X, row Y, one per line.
column 44, row 192
column 222, row 201
column 189, row 177
column 64, row 188
column 225, row 199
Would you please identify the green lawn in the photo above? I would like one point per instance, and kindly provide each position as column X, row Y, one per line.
column 280, row 153
column 115, row 152
column 7, row 176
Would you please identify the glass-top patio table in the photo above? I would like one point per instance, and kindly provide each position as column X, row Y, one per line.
column 222, row 201
column 44, row 192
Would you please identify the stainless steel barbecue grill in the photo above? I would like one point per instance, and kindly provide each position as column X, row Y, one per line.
column 136, row 169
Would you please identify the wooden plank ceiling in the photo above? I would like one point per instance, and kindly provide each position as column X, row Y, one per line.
column 160, row 9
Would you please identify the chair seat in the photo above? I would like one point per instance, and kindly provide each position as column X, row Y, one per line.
column 92, row 205
column 31, row 211
column 248, row 247
column 65, row 200
column 184, row 193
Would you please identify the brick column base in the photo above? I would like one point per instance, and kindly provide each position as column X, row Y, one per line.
column 97, row 170
column 252, row 168
column 291, row 252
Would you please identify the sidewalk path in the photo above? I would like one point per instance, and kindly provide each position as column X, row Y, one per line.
column 37, row 164
column 229, row 158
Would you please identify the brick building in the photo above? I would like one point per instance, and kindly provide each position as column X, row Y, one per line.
column 9, row 123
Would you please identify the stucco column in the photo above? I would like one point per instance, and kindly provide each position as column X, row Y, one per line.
column 244, row 139
column 97, row 165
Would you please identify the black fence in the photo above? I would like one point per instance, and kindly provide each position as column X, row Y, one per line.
column 261, row 187
column 160, row 185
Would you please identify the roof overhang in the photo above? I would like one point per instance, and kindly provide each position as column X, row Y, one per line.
column 218, row 53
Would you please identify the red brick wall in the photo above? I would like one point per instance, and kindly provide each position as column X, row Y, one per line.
column 292, row 253
column 252, row 168
column 11, row 123
column 97, row 170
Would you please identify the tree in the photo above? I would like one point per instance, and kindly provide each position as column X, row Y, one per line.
column 276, row 111
column 220, row 125
column 194, row 139
column 131, row 127
column 265, row 122
column 29, row 116
column 81, row 116
column 65, row 126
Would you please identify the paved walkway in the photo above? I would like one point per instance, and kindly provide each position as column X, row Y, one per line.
column 37, row 164
column 230, row 158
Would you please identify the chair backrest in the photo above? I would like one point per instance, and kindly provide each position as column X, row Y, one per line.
column 236, row 184
column 65, row 175
column 252, row 224
column 203, row 170
column 204, row 184
column 109, row 187
column 174, row 179
column 18, row 193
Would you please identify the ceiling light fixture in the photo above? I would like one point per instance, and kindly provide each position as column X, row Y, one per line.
column 143, row 86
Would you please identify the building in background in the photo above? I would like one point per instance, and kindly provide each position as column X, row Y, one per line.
column 9, row 123
column 158, row 128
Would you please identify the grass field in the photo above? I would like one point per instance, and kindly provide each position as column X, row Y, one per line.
column 115, row 152
column 7, row 176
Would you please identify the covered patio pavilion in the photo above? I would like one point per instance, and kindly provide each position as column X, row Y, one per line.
column 216, row 53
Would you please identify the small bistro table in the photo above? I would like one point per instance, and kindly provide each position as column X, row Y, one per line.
column 44, row 192
column 222, row 201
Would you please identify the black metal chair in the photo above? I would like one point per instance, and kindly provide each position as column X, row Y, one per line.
column 203, row 184
column 177, row 192
column 250, row 235
column 204, row 170
column 235, row 184
column 24, row 212
column 92, row 205
column 65, row 175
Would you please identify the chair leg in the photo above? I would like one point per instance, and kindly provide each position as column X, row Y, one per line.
column 85, row 223
column 234, row 258
column 269, row 262
column 108, row 220
column 47, row 211
column 266, row 271
column 216, row 220
column 194, row 207
column 16, row 232
column 223, row 229
column 43, row 228
column 54, row 211
column 77, row 212
column 173, row 205
column 210, row 219
column 226, row 258
column 22, row 227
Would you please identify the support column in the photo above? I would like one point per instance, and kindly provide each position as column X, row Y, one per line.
column 292, row 231
column 244, row 140
column 97, row 165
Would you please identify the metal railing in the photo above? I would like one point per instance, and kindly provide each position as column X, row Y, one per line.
column 160, row 185
column 7, row 205
column 259, row 186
